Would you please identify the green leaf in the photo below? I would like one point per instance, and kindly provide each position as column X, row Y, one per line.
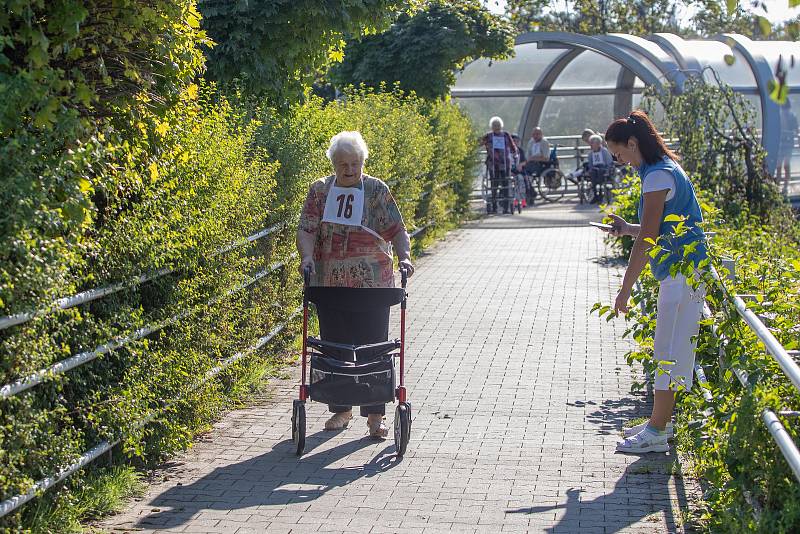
column 732, row 5
column 794, row 3
column 778, row 92
column 764, row 26
column 85, row 185
column 673, row 217
column 730, row 59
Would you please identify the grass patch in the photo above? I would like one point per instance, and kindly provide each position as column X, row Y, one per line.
column 102, row 491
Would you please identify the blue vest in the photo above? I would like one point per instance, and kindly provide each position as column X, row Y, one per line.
column 683, row 203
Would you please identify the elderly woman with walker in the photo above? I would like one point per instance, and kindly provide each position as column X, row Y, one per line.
column 349, row 225
column 667, row 197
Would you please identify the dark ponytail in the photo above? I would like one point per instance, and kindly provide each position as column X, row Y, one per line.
column 639, row 125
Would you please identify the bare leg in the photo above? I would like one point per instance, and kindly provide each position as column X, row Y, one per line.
column 663, row 403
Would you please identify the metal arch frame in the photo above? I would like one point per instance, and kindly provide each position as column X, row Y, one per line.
column 668, row 66
column 577, row 44
column 595, row 45
column 677, row 47
column 770, row 111
column 535, row 103
column 623, row 98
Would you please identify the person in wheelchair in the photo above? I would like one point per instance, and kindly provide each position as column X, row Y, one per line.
column 349, row 225
column 599, row 166
column 538, row 153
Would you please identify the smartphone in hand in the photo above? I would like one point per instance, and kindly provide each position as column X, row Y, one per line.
column 602, row 226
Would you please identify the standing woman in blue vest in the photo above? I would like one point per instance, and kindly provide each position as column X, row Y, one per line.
column 666, row 190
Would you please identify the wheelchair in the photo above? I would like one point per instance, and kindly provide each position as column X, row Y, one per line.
column 550, row 181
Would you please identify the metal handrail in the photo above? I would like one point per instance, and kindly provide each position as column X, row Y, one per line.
column 14, row 388
column 774, row 347
column 94, row 294
column 414, row 233
column 11, row 504
column 776, row 429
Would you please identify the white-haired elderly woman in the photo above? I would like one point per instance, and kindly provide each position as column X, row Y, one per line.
column 349, row 225
column 599, row 165
column 500, row 153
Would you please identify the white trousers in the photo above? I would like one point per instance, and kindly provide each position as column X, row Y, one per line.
column 679, row 310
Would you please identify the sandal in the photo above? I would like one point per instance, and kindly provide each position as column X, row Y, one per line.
column 377, row 428
column 339, row 421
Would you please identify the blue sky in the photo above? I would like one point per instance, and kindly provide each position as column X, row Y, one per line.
column 777, row 10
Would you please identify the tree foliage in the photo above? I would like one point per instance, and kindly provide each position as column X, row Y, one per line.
column 719, row 145
column 595, row 16
column 642, row 17
column 275, row 47
column 421, row 51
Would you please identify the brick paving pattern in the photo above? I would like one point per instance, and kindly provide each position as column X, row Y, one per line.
column 518, row 395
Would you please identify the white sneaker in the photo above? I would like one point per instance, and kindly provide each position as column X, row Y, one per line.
column 632, row 431
column 644, row 441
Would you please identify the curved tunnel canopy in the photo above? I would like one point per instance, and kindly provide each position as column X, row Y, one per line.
column 566, row 82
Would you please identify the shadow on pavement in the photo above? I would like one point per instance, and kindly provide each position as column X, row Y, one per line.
column 260, row 480
column 630, row 501
column 613, row 414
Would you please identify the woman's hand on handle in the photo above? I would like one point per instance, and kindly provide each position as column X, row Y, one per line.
column 408, row 266
column 307, row 263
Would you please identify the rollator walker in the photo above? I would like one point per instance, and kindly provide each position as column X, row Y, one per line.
column 352, row 362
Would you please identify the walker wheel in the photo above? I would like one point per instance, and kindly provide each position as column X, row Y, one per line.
column 402, row 428
column 299, row 426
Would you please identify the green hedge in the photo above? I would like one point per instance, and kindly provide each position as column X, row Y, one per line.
column 203, row 174
column 116, row 163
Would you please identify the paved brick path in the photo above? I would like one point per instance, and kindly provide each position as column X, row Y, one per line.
column 518, row 395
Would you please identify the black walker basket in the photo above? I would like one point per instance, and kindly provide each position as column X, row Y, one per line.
column 352, row 363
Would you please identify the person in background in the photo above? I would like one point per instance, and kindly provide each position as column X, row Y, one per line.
column 599, row 165
column 538, row 153
column 522, row 185
column 788, row 136
column 500, row 154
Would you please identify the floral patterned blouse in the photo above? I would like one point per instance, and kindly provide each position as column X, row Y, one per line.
column 352, row 256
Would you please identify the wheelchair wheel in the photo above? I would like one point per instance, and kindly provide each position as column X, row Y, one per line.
column 402, row 428
column 552, row 185
column 299, row 426
column 584, row 190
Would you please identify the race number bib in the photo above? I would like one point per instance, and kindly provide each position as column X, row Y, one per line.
column 499, row 142
column 344, row 205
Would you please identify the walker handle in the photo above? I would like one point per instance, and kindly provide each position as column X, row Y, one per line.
column 307, row 275
column 403, row 276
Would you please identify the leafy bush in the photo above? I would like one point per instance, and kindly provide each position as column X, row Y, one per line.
column 718, row 145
